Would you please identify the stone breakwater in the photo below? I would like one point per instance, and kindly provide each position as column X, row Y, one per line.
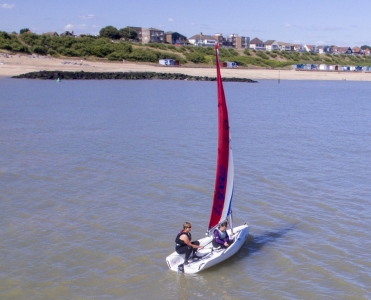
column 62, row 75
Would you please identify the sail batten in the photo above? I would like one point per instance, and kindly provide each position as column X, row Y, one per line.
column 223, row 189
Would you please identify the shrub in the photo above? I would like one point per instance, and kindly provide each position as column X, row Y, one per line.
column 31, row 39
column 117, row 55
column 158, row 46
column 195, row 57
column 142, row 55
column 6, row 47
column 233, row 52
column 110, row 32
column 262, row 55
column 39, row 50
column 209, row 50
column 4, row 35
column 52, row 53
column 19, row 48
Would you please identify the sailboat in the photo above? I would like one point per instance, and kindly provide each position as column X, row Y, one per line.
column 221, row 209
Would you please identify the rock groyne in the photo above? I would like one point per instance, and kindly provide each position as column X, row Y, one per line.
column 81, row 75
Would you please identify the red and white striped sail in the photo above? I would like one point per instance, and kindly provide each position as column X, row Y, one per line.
column 223, row 190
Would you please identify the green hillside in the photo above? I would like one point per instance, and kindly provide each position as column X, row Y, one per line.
column 92, row 48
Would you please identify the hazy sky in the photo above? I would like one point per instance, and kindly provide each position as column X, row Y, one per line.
column 332, row 22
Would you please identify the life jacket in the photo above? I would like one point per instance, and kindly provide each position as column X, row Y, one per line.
column 180, row 243
column 222, row 234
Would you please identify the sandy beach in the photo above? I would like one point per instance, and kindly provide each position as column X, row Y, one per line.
column 19, row 64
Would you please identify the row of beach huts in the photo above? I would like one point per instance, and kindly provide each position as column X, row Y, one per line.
column 174, row 62
column 324, row 67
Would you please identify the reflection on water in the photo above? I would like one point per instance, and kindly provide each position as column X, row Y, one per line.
column 97, row 177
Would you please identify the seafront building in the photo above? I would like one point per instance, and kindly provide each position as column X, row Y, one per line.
column 154, row 35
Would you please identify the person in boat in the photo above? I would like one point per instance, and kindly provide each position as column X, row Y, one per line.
column 183, row 244
column 221, row 237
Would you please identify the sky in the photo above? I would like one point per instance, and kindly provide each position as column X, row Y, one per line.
column 317, row 22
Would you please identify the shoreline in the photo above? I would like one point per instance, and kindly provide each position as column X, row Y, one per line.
column 15, row 65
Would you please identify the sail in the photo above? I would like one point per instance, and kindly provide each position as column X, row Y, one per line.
column 223, row 190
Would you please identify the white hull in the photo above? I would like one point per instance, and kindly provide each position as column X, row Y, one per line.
column 209, row 256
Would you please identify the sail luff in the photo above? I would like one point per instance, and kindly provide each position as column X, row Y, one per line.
column 223, row 189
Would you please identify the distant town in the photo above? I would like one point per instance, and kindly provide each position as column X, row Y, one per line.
column 151, row 45
column 153, row 35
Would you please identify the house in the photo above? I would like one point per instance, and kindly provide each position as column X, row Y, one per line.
column 357, row 50
column 228, row 41
column 239, row 42
column 257, row 44
column 138, row 30
column 271, row 45
column 296, row 47
column 205, row 40
column 319, row 49
column 285, row 46
column 328, row 49
column 149, row 35
column 152, row 35
column 67, row 33
column 305, row 48
column 175, row 38
column 367, row 51
column 51, row 33
column 344, row 50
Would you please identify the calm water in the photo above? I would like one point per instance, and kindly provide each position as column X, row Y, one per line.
column 97, row 177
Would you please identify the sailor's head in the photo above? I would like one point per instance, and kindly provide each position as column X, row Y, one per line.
column 223, row 226
column 187, row 225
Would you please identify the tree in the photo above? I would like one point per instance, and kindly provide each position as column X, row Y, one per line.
column 109, row 32
column 364, row 47
column 128, row 34
column 23, row 30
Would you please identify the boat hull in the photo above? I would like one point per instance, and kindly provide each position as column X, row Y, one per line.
column 209, row 256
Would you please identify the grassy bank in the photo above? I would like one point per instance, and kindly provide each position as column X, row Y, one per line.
column 91, row 47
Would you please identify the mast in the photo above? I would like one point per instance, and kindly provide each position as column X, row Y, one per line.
column 223, row 189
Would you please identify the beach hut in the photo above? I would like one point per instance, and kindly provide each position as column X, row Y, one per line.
column 322, row 67
column 314, row 67
column 231, row 64
column 166, row 62
column 298, row 67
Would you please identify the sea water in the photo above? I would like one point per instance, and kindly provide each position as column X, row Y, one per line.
column 97, row 178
